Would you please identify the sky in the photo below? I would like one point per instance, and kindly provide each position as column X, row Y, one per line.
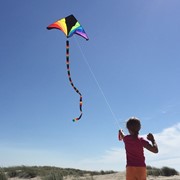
column 129, row 67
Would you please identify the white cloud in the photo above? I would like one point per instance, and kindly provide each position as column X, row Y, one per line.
column 113, row 159
column 168, row 143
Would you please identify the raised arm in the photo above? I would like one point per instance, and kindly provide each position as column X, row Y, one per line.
column 153, row 146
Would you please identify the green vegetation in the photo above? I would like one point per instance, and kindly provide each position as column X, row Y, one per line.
column 53, row 176
column 2, row 175
column 55, row 173
column 50, row 173
column 165, row 171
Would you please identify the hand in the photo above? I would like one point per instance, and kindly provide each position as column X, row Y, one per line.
column 120, row 135
column 150, row 137
column 121, row 131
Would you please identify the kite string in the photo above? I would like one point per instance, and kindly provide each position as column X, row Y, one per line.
column 92, row 73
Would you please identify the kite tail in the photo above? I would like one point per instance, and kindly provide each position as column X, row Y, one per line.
column 69, row 76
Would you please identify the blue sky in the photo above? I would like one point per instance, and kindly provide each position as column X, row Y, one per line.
column 129, row 67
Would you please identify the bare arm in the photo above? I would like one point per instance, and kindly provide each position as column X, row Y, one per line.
column 153, row 146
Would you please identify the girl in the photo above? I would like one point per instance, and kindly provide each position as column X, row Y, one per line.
column 134, row 146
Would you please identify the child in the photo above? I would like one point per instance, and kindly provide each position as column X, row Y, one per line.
column 134, row 145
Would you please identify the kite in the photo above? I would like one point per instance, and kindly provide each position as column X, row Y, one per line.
column 70, row 26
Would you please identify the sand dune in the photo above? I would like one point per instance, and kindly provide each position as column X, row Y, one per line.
column 121, row 176
column 115, row 176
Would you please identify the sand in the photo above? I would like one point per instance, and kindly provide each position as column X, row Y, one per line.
column 115, row 176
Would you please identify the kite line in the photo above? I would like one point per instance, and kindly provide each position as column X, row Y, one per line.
column 95, row 79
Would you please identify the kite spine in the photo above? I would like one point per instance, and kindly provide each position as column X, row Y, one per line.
column 71, row 82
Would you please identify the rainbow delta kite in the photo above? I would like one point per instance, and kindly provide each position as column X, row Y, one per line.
column 70, row 26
